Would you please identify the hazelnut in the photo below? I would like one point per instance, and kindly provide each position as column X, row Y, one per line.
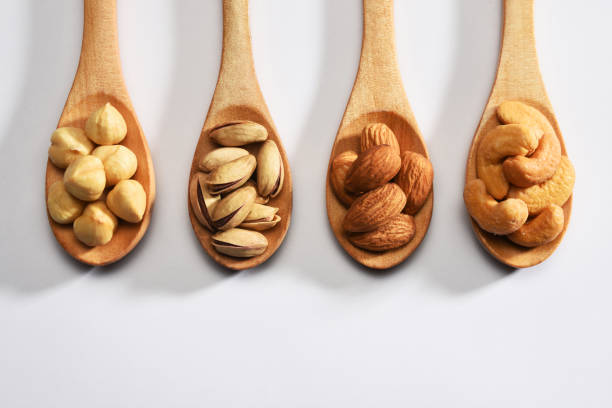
column 63, row 208
column 96, row 225
column 106, row 126
column 67, row 144
column 119, row 162
column 127, row 200
column 85, row 178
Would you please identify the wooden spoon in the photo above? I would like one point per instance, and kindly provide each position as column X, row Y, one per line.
column 518, row 78
column 378, row 96
column 99, row 80
column 238, row 97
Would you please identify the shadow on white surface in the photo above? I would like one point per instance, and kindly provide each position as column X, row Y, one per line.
column 459, row 263
column 50, row 63
column 320, row 258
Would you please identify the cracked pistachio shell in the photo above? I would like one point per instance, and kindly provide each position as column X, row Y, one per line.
column 120, row 163
column 221, row 156
column 63, row 207
column 232, row 175
column 96, row 225
column 261, row 212
column 239, row 133
column 261, row 225
column 85, row 178
column 202, row 203
column 261, row 217
column 128, row 200
column 270, row 171
column 239, row 243
column 68, row 144
column 106, row 126
column 234, row 208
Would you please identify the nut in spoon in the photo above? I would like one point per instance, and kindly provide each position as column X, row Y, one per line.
column 99, row 80
column 518, row 78
column 377, row 97
column 238, row 97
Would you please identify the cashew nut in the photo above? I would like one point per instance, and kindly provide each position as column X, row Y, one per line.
column 499, row 143
column 518, row 112
column 542, row 229
column 542, row 164
column 498, row 218
column 555, row 190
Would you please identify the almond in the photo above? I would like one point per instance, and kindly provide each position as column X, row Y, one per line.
column 378, row 134
column 373, row 168
column 394, row 234
column 416, row 179
column 375, row 208
column 339, row 167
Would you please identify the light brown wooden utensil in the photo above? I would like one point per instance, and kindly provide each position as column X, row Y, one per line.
column 378, row 96
column 99, row 80
column 238, row 97
column 518, row 78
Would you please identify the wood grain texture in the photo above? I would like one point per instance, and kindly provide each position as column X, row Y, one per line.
column 99, row 80
column 238, row 97
column 518, row 78
column 377, row 96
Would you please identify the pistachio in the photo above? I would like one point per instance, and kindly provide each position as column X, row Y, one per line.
column 239, row 133
column 85, row 178
column 220, row 156
column 120, row 163
column 63, row 208
column 67, row 144
column 106, row 126
column 261, row 217
column 259, row 199
column 96, row 225
column 234, row 208
column 270, row 173
column 230, row 176
column 262, row 200
column 202, row 203
column 240, row 243
column 128, row 200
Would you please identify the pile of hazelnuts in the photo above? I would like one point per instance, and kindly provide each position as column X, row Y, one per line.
column 97, row 187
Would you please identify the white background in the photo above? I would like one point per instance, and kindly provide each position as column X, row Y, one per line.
column 165, row 327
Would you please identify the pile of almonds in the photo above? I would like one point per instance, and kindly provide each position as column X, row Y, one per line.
column 224, row 197
column 383, row 188
column 523, row 178
column 91, row 172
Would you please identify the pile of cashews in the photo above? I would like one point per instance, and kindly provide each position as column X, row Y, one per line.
column 523, row 179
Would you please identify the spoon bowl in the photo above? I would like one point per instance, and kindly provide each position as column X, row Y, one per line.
column 518, row 78
column 98, row 80
column 238, row 97
column 378, row 97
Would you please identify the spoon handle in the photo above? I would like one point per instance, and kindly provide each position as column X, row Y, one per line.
column 378, row 84
column 518, row 74
column 237, row 78
column 99, row 67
